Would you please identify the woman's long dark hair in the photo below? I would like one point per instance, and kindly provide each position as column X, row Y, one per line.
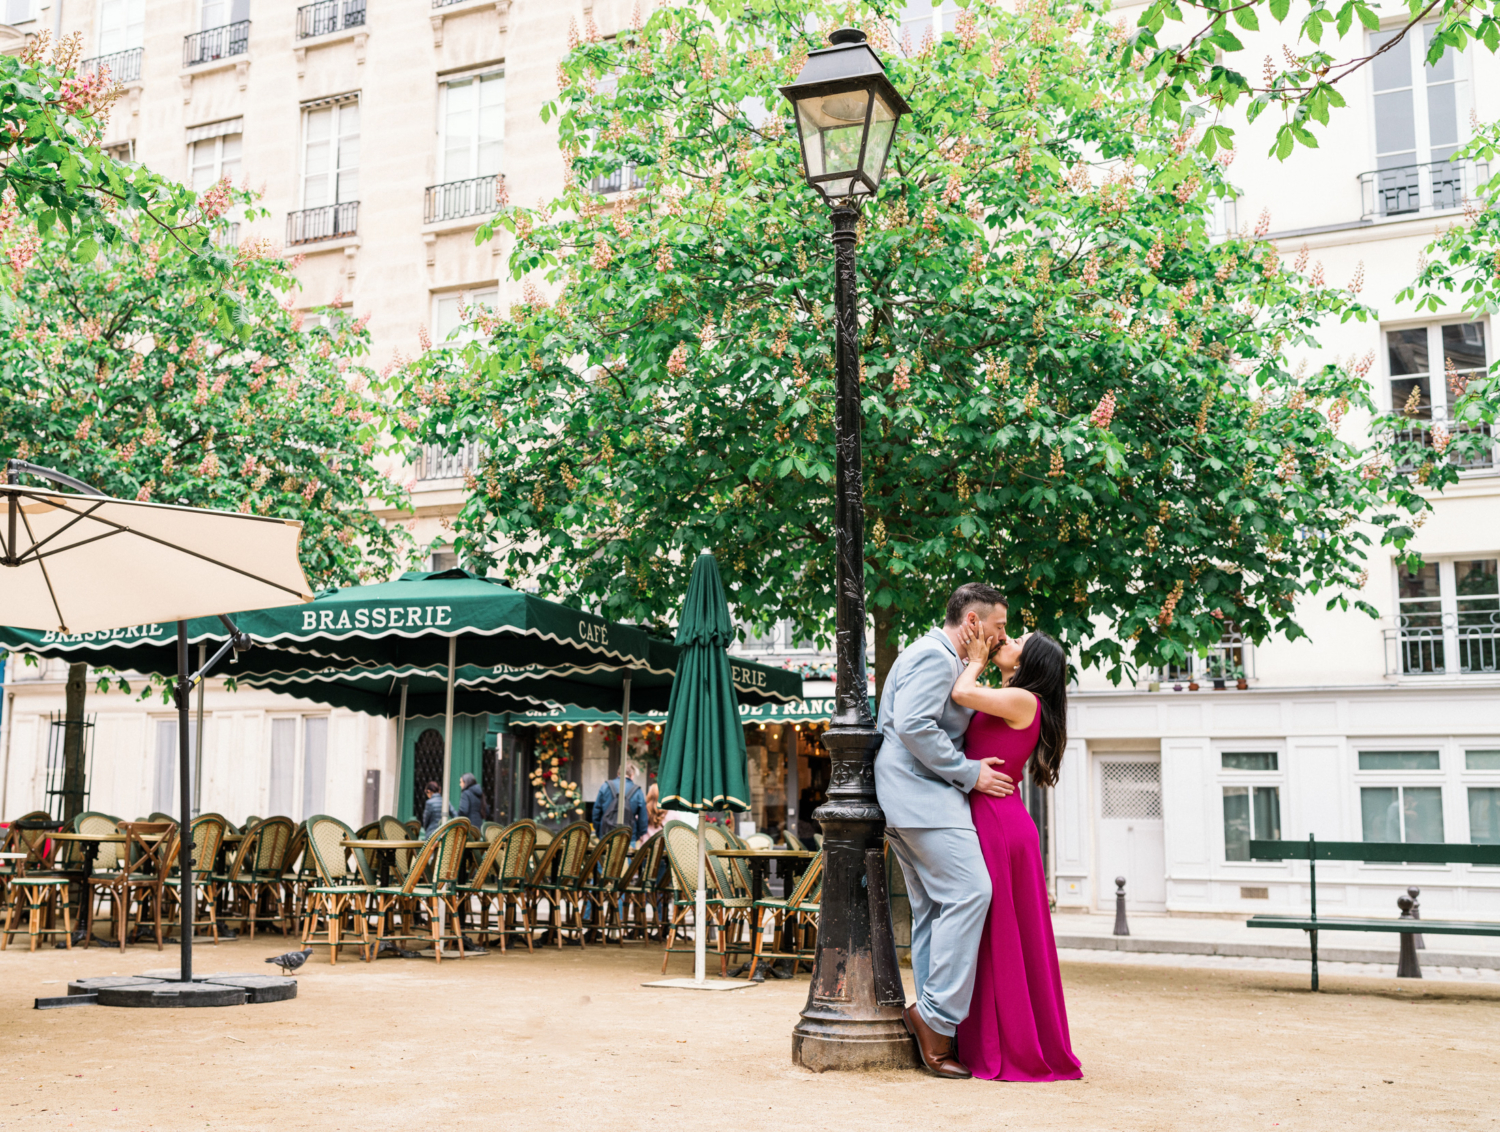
column 1043, row 671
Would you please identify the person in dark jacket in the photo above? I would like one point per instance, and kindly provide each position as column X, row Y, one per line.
column 607, row 807
column 471, row 802
column 432, row 812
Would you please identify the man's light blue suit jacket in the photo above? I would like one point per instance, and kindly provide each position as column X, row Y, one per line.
column 921, row 775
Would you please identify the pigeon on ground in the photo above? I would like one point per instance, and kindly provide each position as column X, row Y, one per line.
column 291, row 960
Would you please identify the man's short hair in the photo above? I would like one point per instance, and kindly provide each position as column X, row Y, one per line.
column 434, row 788
column 969, row 595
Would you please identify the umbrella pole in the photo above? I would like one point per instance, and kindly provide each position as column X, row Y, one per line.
column 447, row 773
column 198, row 750
column 184, row 829
column 401, row 738
column 700, row 911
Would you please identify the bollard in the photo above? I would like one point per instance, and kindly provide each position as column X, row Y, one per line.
column 1416, row 914
column 1406, row 967
column 1121, row 927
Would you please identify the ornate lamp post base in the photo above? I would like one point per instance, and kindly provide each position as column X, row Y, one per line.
column 852, row 1019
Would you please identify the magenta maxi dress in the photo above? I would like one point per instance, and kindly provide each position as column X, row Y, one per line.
column 1017, row 1028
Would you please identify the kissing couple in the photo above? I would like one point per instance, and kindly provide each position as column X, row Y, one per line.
column 989, row 993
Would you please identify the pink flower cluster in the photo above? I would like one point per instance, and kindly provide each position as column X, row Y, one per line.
column 677, row 361
column 1104, row 412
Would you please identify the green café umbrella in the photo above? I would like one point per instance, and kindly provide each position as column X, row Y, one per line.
column 704, row 765
column 419, row 620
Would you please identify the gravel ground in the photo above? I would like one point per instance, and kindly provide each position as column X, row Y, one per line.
column 564, row 1039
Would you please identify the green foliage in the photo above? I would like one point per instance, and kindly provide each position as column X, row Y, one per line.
column 1196, row 78
column 1071, row 388
column 122, row 370
column 56, row 179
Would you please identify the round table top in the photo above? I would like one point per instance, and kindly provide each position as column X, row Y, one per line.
column 14, row 856
column 769, row 854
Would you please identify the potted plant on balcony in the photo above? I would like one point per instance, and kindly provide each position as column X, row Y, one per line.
column 1239, row 678
column 1218, row 672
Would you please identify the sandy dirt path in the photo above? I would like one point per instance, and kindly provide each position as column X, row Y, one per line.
column 569, row 1040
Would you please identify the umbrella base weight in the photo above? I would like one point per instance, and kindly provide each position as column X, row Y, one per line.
column 163, row 991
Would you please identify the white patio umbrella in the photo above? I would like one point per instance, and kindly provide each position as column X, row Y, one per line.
column 82, row 563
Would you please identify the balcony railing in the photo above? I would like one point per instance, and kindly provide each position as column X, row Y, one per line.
column 330, row 222
column 1472, row 639
column 329, row 16
column 228, row 236
column 124, row 66
column 1481, row 461
column 216, row 43
column 1233, row 653
column 461, row 198
column 627, row 176
column 445, row 3
column 434, row 462
column 1411, row 189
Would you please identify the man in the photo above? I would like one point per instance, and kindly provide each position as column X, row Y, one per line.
column 607, row 806
column 471, row 802
column 922, row 780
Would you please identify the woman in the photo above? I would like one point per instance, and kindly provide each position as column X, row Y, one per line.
column 1017, row 1028
column 656, row 817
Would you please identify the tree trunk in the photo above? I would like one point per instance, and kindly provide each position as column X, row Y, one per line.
column 73, row 741
column 887, row 646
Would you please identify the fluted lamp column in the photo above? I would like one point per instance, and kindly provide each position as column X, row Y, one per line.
column 847, row 112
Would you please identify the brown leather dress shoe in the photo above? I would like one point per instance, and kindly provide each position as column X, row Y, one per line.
column 937, row 1050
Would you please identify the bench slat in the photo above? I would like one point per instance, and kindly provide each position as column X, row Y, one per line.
column 1403, row 852
column 1430, row 927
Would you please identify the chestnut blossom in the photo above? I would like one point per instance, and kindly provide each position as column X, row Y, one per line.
column 677, row 361
column 1104, row 412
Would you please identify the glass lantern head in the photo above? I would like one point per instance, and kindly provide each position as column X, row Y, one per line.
column 847, row 111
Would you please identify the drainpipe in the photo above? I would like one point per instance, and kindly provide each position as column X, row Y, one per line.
column 10, row 711
column 57, row 21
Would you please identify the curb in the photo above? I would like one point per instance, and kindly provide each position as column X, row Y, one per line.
column 1271, row 951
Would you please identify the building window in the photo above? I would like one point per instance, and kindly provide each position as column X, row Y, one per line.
column 213, row 158
column 447, row 312
column 1252, row 806
column 473, row 143
column 282, row 792
column 921, row 17
column 122, row 25
column 164, row 781
column 1405, row 810
column 1484, row 797
column 218, row 13
column 1419, row 110
column 1448, row 619
column 1426, row 363
column 330, row 154
column 443, row 560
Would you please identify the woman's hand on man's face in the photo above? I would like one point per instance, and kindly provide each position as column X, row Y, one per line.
column 976, row 647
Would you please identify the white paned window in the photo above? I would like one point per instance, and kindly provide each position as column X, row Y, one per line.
column 217, row 13
column 1482, row 778
column 1252, row 800
column 1420, row 113
column 473, row 127
column 122, row 25
column 923, row 17
column 330, row 154
column 164, row 780
column 314, row 764
column 1401, row 795
column 445, row 311
column 283, row 784
column 1449, row 617
column 21, row 11
column 1427, row 365
column 213, row 158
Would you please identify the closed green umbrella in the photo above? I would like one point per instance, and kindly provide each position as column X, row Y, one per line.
column 704, row 765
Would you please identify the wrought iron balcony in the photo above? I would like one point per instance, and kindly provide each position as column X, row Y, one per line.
column 1408, row 190
column 445, row 3
column 461, row 198
column 330, row 222
column 216, row 43
column 228, row 236
column 124, row 66
column 434, row 462
column 626, row 177
column 328, row 16
column 1481, row 461
column 1472, row 639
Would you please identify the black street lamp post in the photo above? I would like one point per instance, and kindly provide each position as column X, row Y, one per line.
column 847, row 111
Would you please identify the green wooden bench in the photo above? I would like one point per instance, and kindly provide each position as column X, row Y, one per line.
column 1405, row 852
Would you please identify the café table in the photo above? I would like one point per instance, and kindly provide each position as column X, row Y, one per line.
column 759, row 861
column 383, row 850
column 91, row 843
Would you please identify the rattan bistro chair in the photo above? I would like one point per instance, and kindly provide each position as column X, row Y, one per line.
column 640, row 890
column 510, row 865
column 144, row 861
column 207, row 833
column 444, row 853
column 393, row 830
column 259, row 883
column 556, row 876
column 797, row 912
column 599, row 884
column 792, row 840
column 340, row 895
